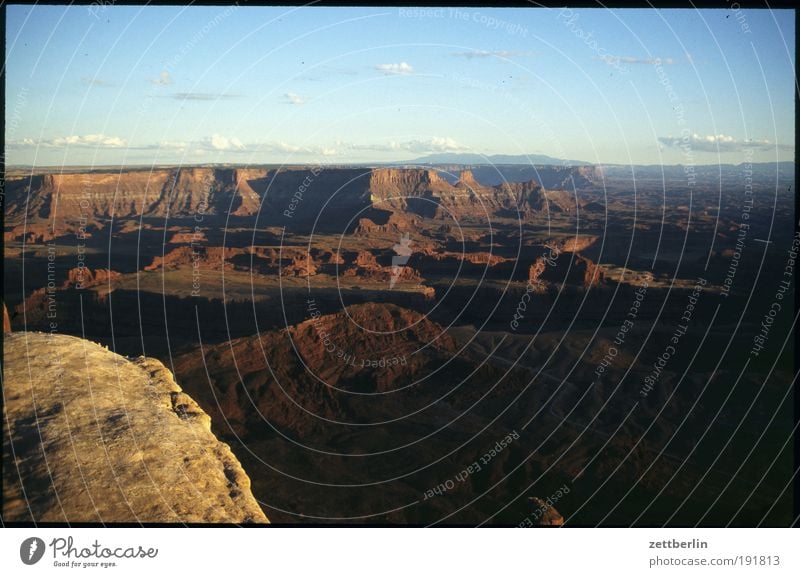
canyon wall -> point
(301, 194)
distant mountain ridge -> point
(555, 173)
(479, 159)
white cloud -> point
(433, 144)
(280, 147)
(294, 98)
(402, 68)
(438, 144)
(163, 79)
(93, 140)
(220, 143)
(85, 141)
(718, 143)
(217, 142)
(213, 143)
(22, 143)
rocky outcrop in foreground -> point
(90, 436)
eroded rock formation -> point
(565, 268)
(300, 266)
(368, 348)
(93, 437)
(546, 514)
(81, 277)
(397, 223)
(285, 197)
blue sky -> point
(141, 84)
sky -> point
(140, 85)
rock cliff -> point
(286, 196)
(6, 320)
(180, 192)
(90, 436)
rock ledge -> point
(90, 436)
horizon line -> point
(361, 165)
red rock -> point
(536, 269)
(81, 277)
(6, 320)
(300, 266)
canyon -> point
(411, 345)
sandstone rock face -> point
(569, 268)
(478, 257)
(536, 269)
(90, 436)
(366, 266)
(188, 237)
(404, 274)
(333, 257)
(547, 515)
(287, 197)
(31, 233)
(365, 259)
(467, 180)
(397, 223)
(592, 274)
(300, 266)
(210, 257)
(35, 304)
(576, 243)
(386, 183)
(86, 277)
(532, 198)
(130, 193)
(6, 320)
